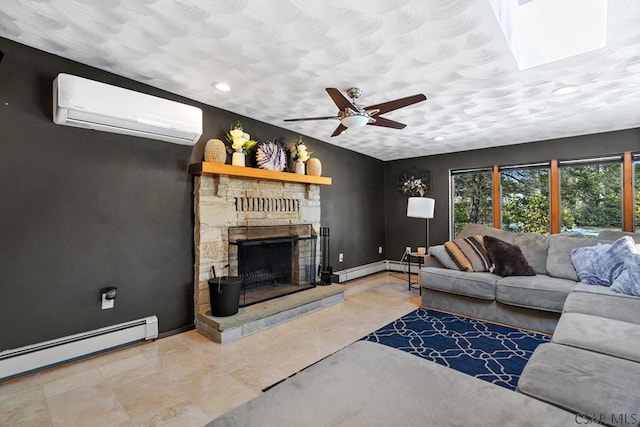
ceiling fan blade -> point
(381, 121)
(385, 107)
(311, 118)
(339, 99)
(341, 128)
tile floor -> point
(187, 380)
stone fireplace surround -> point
(222, 201)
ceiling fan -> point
(353, 115)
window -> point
(472, 198)
(591, 195)
(525, 198)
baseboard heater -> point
(23, 360)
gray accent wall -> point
(402, 231)
(82, 210)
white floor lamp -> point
(421, 207)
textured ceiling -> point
(279, 55)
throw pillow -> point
(584, 261)
(628, 282)
(611, 263)
(507, 259)
(468, 253)
(441, 254)
(603, 263)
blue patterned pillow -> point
(628, 282)
(603, 263)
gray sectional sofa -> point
(591, 366)
(533, 302)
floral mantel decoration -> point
(299, 151)
(415, 183)
(239, 140)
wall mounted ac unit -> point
(89, 104)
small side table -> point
(420, 258)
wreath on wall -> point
(415, 183)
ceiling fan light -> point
(354, 121)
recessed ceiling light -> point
(439, 138)
(565, 90)
(222, 87)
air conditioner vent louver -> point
(84, 103)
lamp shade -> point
(420, 207)
(354, 121)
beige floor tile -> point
(19, 385)
(181, 415)
(27, 408)
(149, 395)
(67, 370)
(187, 380)
(259, 376)
(130, 376)
(216, 392)
(156, 350)
(125, 365)
(94, 406)
(72, 382)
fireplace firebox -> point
(272, 261)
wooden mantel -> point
(206, 168)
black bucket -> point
(224, 294)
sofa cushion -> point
(478, 285)
(468, 253)
(600, 290)
(484, 230)
(584, 382)
(538, 292)
(535, 248)
(559, 257)
(507, 259)
(367, 384)
(441, 254)
(607, 336)
(617, 307)
(628, 282)
(615, 235)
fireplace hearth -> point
(272, 261)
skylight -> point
(544, 31)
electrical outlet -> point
(407, 249)
(107, 303)
(379, 249)
(340, 257)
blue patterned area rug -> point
(487, 351)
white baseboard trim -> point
(374, 267)
(360, 271)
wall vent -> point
(261, 204)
